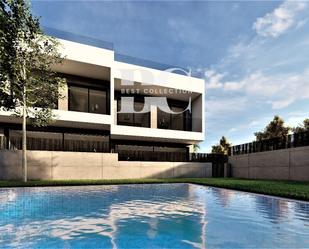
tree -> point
(302, 127)
(28, 85)
(196, 147)
(275, 129)
(222, 147)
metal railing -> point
(217, 160)
(162, 156)
(291, 141)
(54, 144)
(3, 143)
(207, 157)
(87, 145)
(131, 155)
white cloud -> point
(213, 79)
(296, 118)
(183, 30)
(256, 62)
(250, 124)
(301, 23)
(279, 90)
(234, 85)
(280, 20)
(219, 106)
(281, 103)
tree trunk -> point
(24, 136)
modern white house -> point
(91, 118)
(97, 79)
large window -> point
(181, 121)
(133, 119)
(97, 101)
(85, 99)
(78, 99)
(177, 120)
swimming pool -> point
(149, 216)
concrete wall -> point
(63, 103)
(154, 117)
(52, 165)
(197, 114)
(288, 164)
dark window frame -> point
(171, 103)
(89, 87)
(186, 126)
(137, 99)
(179, 104)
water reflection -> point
(275, 209)
(144, 216)
(302, 211)
(7, 196)
(72, 213)
(224, 196)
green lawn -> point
(295, 190)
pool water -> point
(149, 216)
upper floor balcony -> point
(91, 102)
(179, 118)
(156, 118)
(86, 102)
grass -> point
(288, 189)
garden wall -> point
(286, 164)
(52, 165)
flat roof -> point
(110, 46)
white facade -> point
(98, 63)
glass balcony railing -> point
(78, 38)
(118, 57)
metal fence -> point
(3, 143)
(217, 160)
(291, 141)
(54, 144)
(131, 155)
(207, 157)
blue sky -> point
(253, 55)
